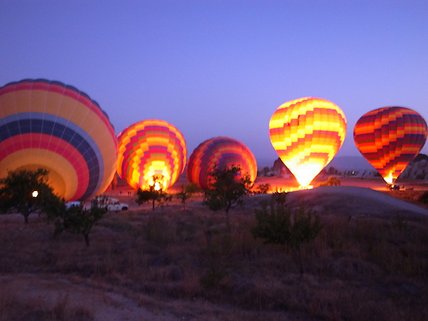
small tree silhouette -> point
(76, 220)
(26, 192)
(263, 188)
(186, 192)
(227, 189)
(153, 193)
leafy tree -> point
(146, 195)
(278, 224)
(186, 192)
(227, 189)
(77, 220)
(154, 193)
(26, 192)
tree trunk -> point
(228, 219)
(153, 204)
(298, 255)
(86, 236)
(25, 214)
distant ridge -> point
(350, 163)
(340, 163)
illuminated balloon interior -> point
(152, 153)
(307, 133)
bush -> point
(263, 188)
(77, 220)
(424, 198)
(279, 224)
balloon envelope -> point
(148, 149)
(219, 152)
(307, 133)
(389, 138)
(47, 124)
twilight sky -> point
(216, 68)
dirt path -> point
(51, 290)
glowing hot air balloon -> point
(307, 133)
(389, 138)
(46, 124)
(220, 152)
(151, 153)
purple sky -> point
(222, 67)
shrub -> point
(77, 220)
(279, 224)
(424, 198)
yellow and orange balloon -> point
(307, 133)
(151, 149)
(389, 138)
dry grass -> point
(14, 308)
(360, 269)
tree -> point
(278, 224)
(153, 193)
(26, 192)
(77, 220)
(186, 193)
(227, 189)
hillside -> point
(368, 263)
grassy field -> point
(185, 265)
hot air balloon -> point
(307, 133)
(219, 152)
(151, 152)
(47, 124)
(389, 138)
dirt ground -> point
(368, 263)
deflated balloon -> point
(307, 133)
(149, 151)
(219, 152)
(389, 138)
(47, 124)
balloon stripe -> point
(307, 133)
(220, 152)
(61, 147)
(148, 148)
(389, 138)
(58, 87)
(28, 126)
(49, 110)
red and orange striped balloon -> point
(219, 152)
(148, 149)
(389, 138)
(307, 133)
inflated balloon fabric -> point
(151, 150)
(389, 138)
(219, 152)
(47, 124)
(307, 133)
